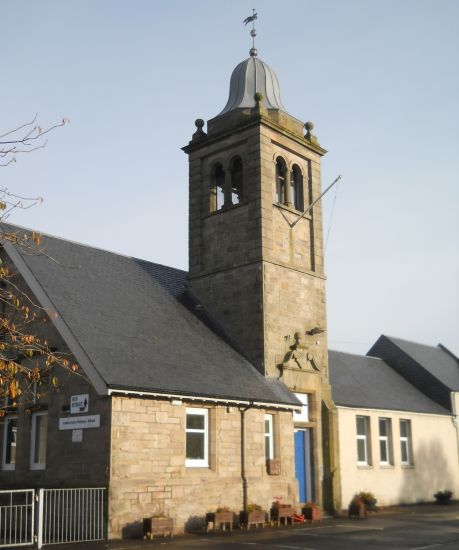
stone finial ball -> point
(253, 52)
(258, 96)
(199, 123)
(309, 126)
(253, 33)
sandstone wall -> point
(149, 476)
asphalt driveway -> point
(422, 527)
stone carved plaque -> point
(303, 355)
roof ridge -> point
(71, 241)
(355, 354)
(396, 338)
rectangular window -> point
(406, 443)
(10, 437)
(38, 440)
(363, 441)
(302, 416)
(197, 437)
(385, 441)
(269, 436)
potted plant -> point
(220, 518)
(158, 524)
(357, 507)
(254, 515)
(369, 500)
(443, 497)
(281, 511)
(312, 512)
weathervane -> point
(253, 32)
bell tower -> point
(256, 250)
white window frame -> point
(33, 435)
(198, 462)
(269, 436)
(406, 440)
(5, 465)
(366, 439)
(302, 416)
(386, 440)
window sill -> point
(202, 465)
(407, 466)
(35, 467)
(228, 209)
(365, 466)
(386, 466)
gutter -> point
(182, 397)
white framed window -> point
(302, 416)
(10, 437)
(39, 433)
(269, 436)
(197, 438)
(385, 441)
(406, 451)
(363, 441)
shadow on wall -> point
(195, 523)
(132, 530)
(430, 473)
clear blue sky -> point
(378, 78)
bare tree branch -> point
(25, 139)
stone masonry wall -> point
(148, 472)
(68, 463)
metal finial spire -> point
(253, 32)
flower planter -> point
(357, 510)
(443, 497)
(313, 513)
(282, 513)
(253, 518)
(220, 520)
(158, 526)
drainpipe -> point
(243, 476)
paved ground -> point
(422, 527)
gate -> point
(71, 515)
(16, 518)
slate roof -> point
(139, 326)
(438, 361)
(368, 382)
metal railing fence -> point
(71, 515)
(17, 517)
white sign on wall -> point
(79, 403)
(77, 436)
(302, 416)
(79, 422)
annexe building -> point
(394, 440)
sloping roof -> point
(368, 382)
(140, 328)
(438, 361)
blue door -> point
(303, 464)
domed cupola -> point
(249, 77)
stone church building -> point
(202, 389)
